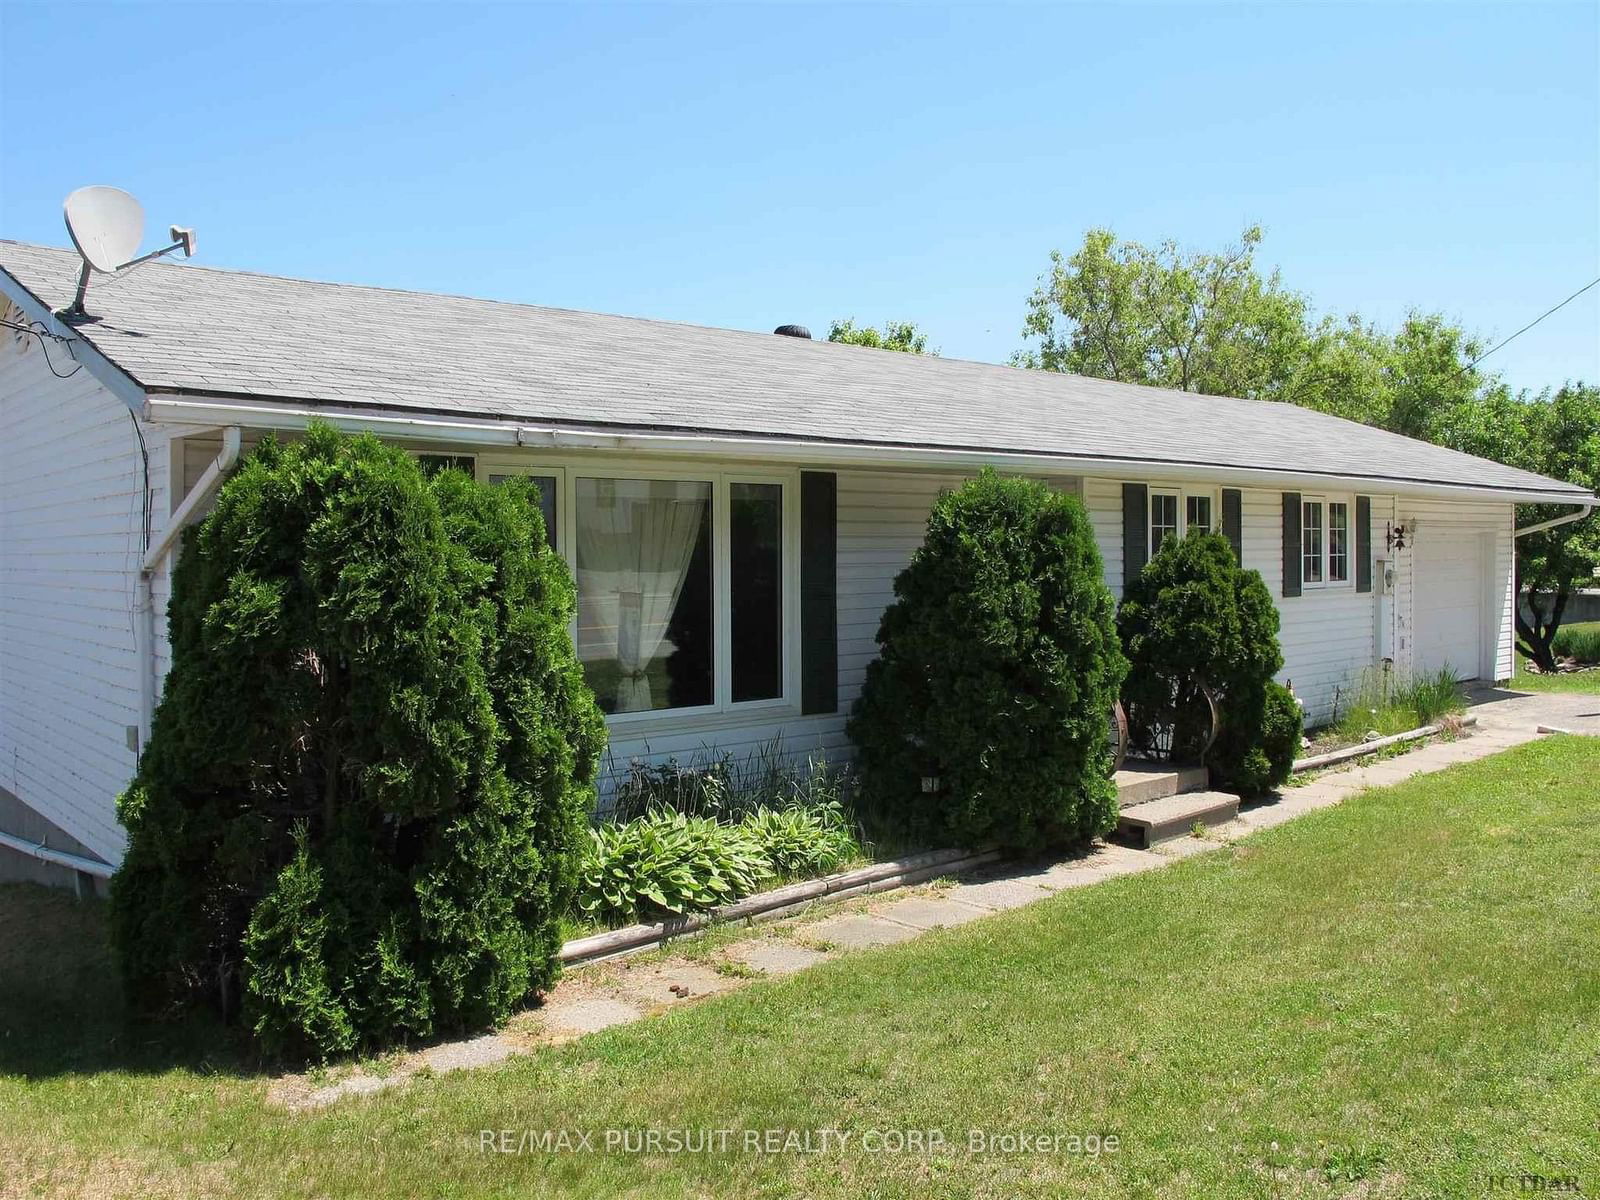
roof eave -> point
(189, 408)
(116, 380)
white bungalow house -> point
(735, 506)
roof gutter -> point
(491, 432)
(60, 858)
(1583, 511)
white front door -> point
(1448, 619)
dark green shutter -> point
(1233, 520)
(1135, 530)
(1363, 543)
(1291, 543)
(819, 592)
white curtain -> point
(636, 538)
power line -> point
(40, 333)
(1529, 325)
(44, 346)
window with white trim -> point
(755, 589)
(1325, 547)
(1338, 541)
(646, 634)
(1163, 518)
(1311, 546)
(685, 584)
(1174, 512)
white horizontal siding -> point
(1493, 524)
(882, 516)
(1331, 635)
(69, 557)
(1103, 498)
(882, 519)
(70, 547)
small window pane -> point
(1338, 543)
(644, 592)
(1163, 519)
(546, 484)
(1198, 513)
(1311, 542)
(755, 554)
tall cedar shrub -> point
(359, 815)
(1195, 613)
(998, 667)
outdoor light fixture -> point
(1398, 537)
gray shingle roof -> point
(184, 328)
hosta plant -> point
(666, 862)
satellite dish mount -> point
(106, 225)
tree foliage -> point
(1214, 323)
(1555, 434)
(1199, 322)
(985, 717)
(358, 815)
(1194, 614)
(895, 335)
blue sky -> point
(749, 165)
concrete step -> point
(1141, 782)
(1174, 816)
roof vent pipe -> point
(799, 331)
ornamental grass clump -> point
(984, 718)
(358, 817)
(1380, 702)
(802, 842)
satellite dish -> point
(106, 224)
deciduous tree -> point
(895, 335)
(1555, 434)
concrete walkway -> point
(620, 991)
(1501, 708)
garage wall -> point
(1493, 525)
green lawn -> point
(1396, 997)
(1584, 681)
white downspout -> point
(1583, 511)
(199, 496)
